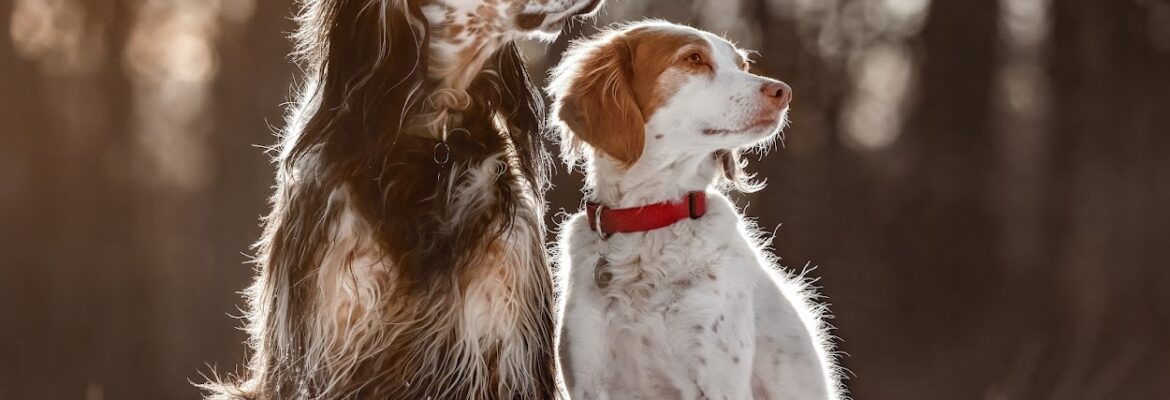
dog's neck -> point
(658, 176)
(455, 60)
(453, 66)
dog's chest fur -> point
(355, 276)
(667, 303)
(469, 334)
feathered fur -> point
(381, 272)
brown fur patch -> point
(349, 137)
(621, 83)
(600, 106)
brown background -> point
(984, 185)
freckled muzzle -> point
(589, 9)
(553, 21)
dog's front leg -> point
(583, 349)
(719, 347)
(787, 364)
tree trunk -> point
(1110, 191)
(940, 238)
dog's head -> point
(654, 88)
(447, 41)
(472, 20)
(377, 68)
(464, 32)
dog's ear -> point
(364, 61)
(596, 103)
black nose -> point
(593, 6)
(530, 21)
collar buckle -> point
(692, 205)
(597, 223)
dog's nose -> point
(777, 91)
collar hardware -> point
(692, 205)
(453, 123)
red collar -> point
(648, 217)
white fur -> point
(696, 310)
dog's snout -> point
(549, 20)
(773, 89)
(778, 92)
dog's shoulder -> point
(574, 238)
(575, 229)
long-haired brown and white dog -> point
(403, 257)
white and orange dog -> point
(668, 292)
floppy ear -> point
(365, 60)
(598, 104)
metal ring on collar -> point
(442, 153)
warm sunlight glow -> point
(842, 28)
(726, 18)
(1025, 22)
(172, 61)
(57, 34)
(1024, 28)
(882, 77)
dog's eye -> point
(695, 58)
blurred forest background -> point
(984, 185)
